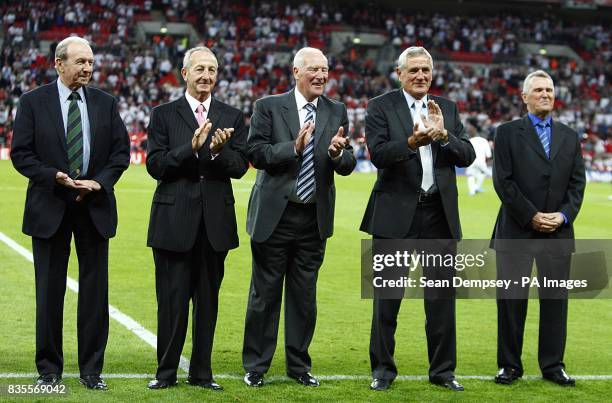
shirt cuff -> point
(564, 218)
(213, 156)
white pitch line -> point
(125, 320)
(279, 378)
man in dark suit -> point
(196, 144)
(296, 142)
(415, 140)
(72, 145)
(538, 174)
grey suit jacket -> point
(270, 148)
(393, 202)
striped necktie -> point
(542, 129)
(306, 178)
(74, 137)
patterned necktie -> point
(74, 137)
(424, 151)
(200, 114)
(306, 178)
(544, 138)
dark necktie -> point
(541, 128)
(306, 178)
(74, 137)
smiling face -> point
(311, 78)
(76, 69)
(416, 76)
(200, 75)
(540, 96)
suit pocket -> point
(161, 198)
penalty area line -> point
(123, 319)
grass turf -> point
(340, 345)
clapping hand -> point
(221, 137)
(338, 143)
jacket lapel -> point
(92, 114)
(214, 114)
(323, 113)
(531, 137)
(185, 111)
(557, 137)
(290, 114)
(55, 112)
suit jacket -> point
(527, 181)
(394, 198)
(190, 188)
(274, 128)
(39, 152)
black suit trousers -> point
(51, 265)
(293, 254)
(429, 223)
(179, 277)
(511, 313)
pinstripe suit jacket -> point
(193, 190)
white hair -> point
(531, 76)
(61, 51)
(298, 59)
(187, 57)
(413, 51)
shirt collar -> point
(535, 120)
(65, 92)
(301, 101)
(411, 100)
(194, 103)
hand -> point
(200, 135)
(435, 118)
(86, 186)
(555, 218)
(304, 137)
(219, 139)
(440, 136)
(420, 137)
(546, 222)
(338, 143)
(61, 178)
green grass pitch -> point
(340, 345)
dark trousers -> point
(51, 266)
(179, 277)
(293, 253)
(429, 223)
(511, 313)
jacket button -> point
(201, 178)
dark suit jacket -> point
(190, 188)
(393, 201)
(39, 152)
(274, 127)
(527, 181)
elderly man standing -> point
(196, 144)
(415, 140)
(72, 145)
(538, 174)
(297, 141)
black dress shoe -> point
(161, 384)
(507, 376)
(254, 379)
(49, 380)
(380, 384)
(560, 377)
(93, 382)
(211, 384)
(451, 384)
(305, 379)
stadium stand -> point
(484, 57)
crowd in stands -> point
(250, 38)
